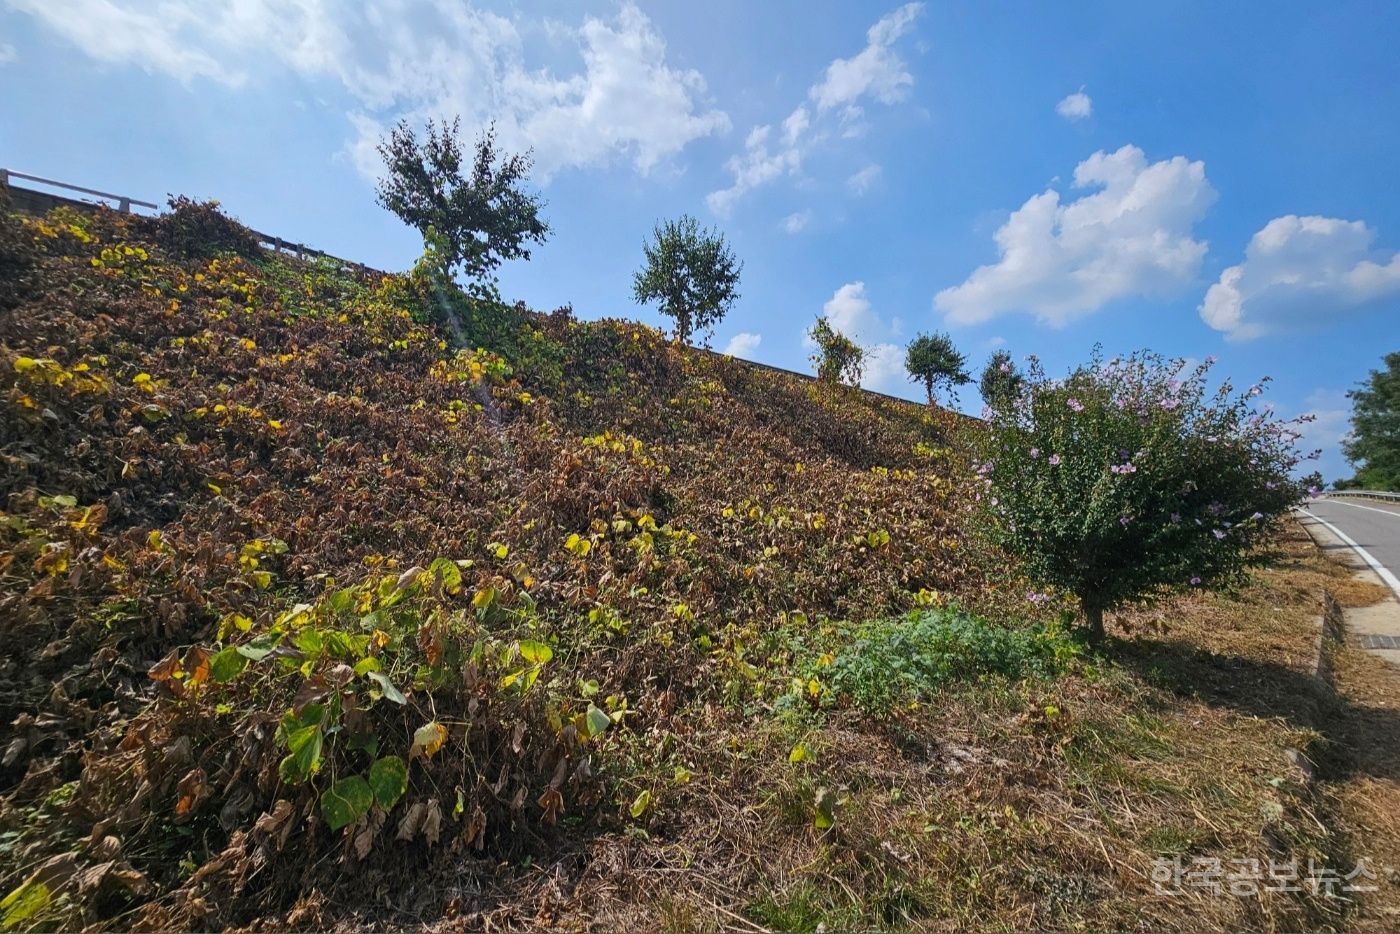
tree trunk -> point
(929, 387)
(1093, 622)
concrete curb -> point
(1331, 632)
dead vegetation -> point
(267, 540)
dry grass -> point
(1361, 781)
(1036, 805)
(1031, 806)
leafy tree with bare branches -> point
(480, 213)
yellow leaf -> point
(427, 740)
(799, 753)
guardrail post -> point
(124, 205)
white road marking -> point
(1390, 579)
(1384, 512)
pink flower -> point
(1075, 405)
(1054, 460)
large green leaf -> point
(308, 715)
(311, 642)
(257, 649)
(536, 653)
(449, 572)
(386, 687)
(343, 601)
(227, 664)
(597, 720)
(24, 903)
(346, 801)
(304, 758)
(388, 779)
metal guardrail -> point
(124, 202)
(1366, 494)
(302, 251)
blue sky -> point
(1197, 178)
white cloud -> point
(876, 72)
(419, 59)
(155, 40)
(797, 222)
(757, 165)
(1076, 106)
(743, 345)
(1299, 271)
(7, 53)
(1061, 261)
(884, 368)
(861, 181)
(850, 312)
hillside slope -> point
(192, 437)
(313, 620)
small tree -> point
(931, 359)
(480, 219)
(1001, 382)
(692, 274)
(837, 358)
(1127, 480)
(1374, 445)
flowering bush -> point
(1131, 478)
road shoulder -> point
(1360, 776)
(1373, 627)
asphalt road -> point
(1373, 525)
